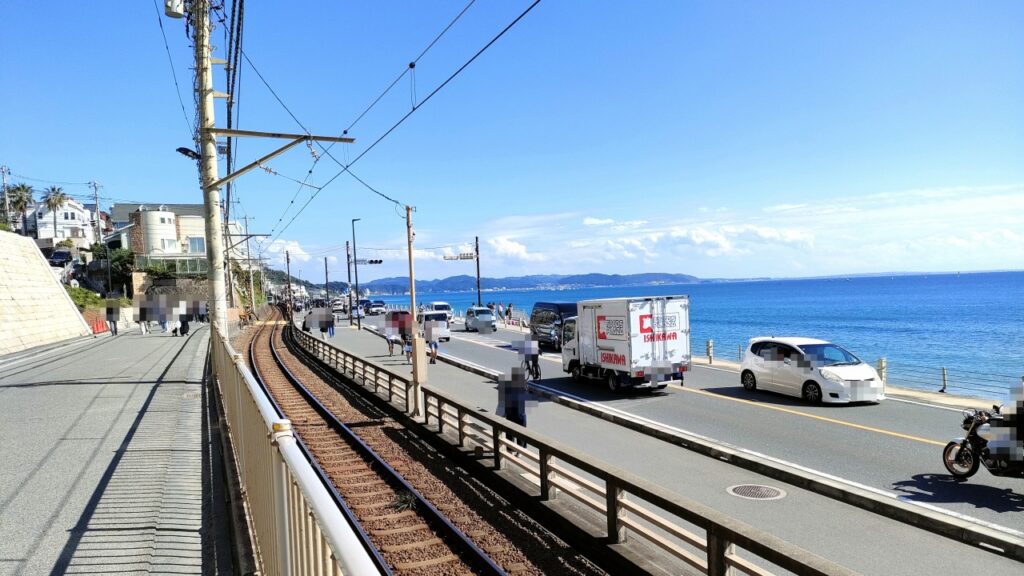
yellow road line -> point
(777, 408)
(816, 417)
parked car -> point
(546, 322)
(815, 370)
(60, 257)
(440, 307)
(480, 317)
(440, 320)
(377, 307)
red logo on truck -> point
(613, 358)
(662, 323)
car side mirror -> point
(787, 361)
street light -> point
(355, 263)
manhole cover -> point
(756, 492)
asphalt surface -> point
(102, 444)
(894, 446)
(862, 540)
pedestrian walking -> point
(143, 313)
(113, 307)
(330, 324)
(508, 313)
(321, 323)
(183, 325)
(501, 313)
(407, 348)
(433, 336)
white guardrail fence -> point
(690, 532)
(297, 526)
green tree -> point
(21, 198)
(54, 200)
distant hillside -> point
(465, 283)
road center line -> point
(816, 417)
(777, 408)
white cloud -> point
(508, 248)
(712, 242)
(332, 259)
(276, 252)
(588, 221)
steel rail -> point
(471, 553)
(350, 516)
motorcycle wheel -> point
(961, 464)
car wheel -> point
(748, 380)
(812, 393)
(613, 381)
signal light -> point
(374, 261)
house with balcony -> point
(169, 235)
(74, 222)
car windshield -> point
(828, 355)
(441, 317)
(442, 307)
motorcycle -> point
(963, 456)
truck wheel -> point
(613, 381)
(576, 372)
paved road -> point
(894, 446)
(103, 458)
(864, 541)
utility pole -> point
(96, 192)
(418, 358)
(327, 285)
(208, 150)
(288, 265)
(355, 264)
(348, 261)
(478, 301)
(4, 171)
(248, 260)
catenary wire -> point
(347, 167)
(177, 88)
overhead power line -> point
(177, 88)
(347, 167)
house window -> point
(73, 216)
(197, 245)
(169, 245)
(66, 216)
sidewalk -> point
(106, 460)
(816, 523)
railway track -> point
(394, 488)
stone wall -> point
(35, 309)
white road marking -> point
(878, 491)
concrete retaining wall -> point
(35, 309)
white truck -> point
(629, 342)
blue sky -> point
(721, 139)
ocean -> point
(970, 324)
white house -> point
(74, 222)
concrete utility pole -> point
(359, 319)
(327, 284)
(248, 259)
(419, 369)
(348, 260)
(478, 301)
(4, 171)
(208, 150)
(96, 192)
(288, 268)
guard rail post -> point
(944, 375)
(545, 475)
(281, 485)
(717, 545)
(739, 352)
(711, 351)
(883, 371)
(613, 511)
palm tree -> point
(20, 196)
(55, 198)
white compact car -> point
(441, 307)
(481, 319)
(436, 321)
(815, 370)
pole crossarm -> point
(242, 241)
(254, 133)
(251, 165)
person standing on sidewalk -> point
(330, 323)
(143, 315)
(113, 307)
(508, 313)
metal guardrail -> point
(625, 503)
(297, 526)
